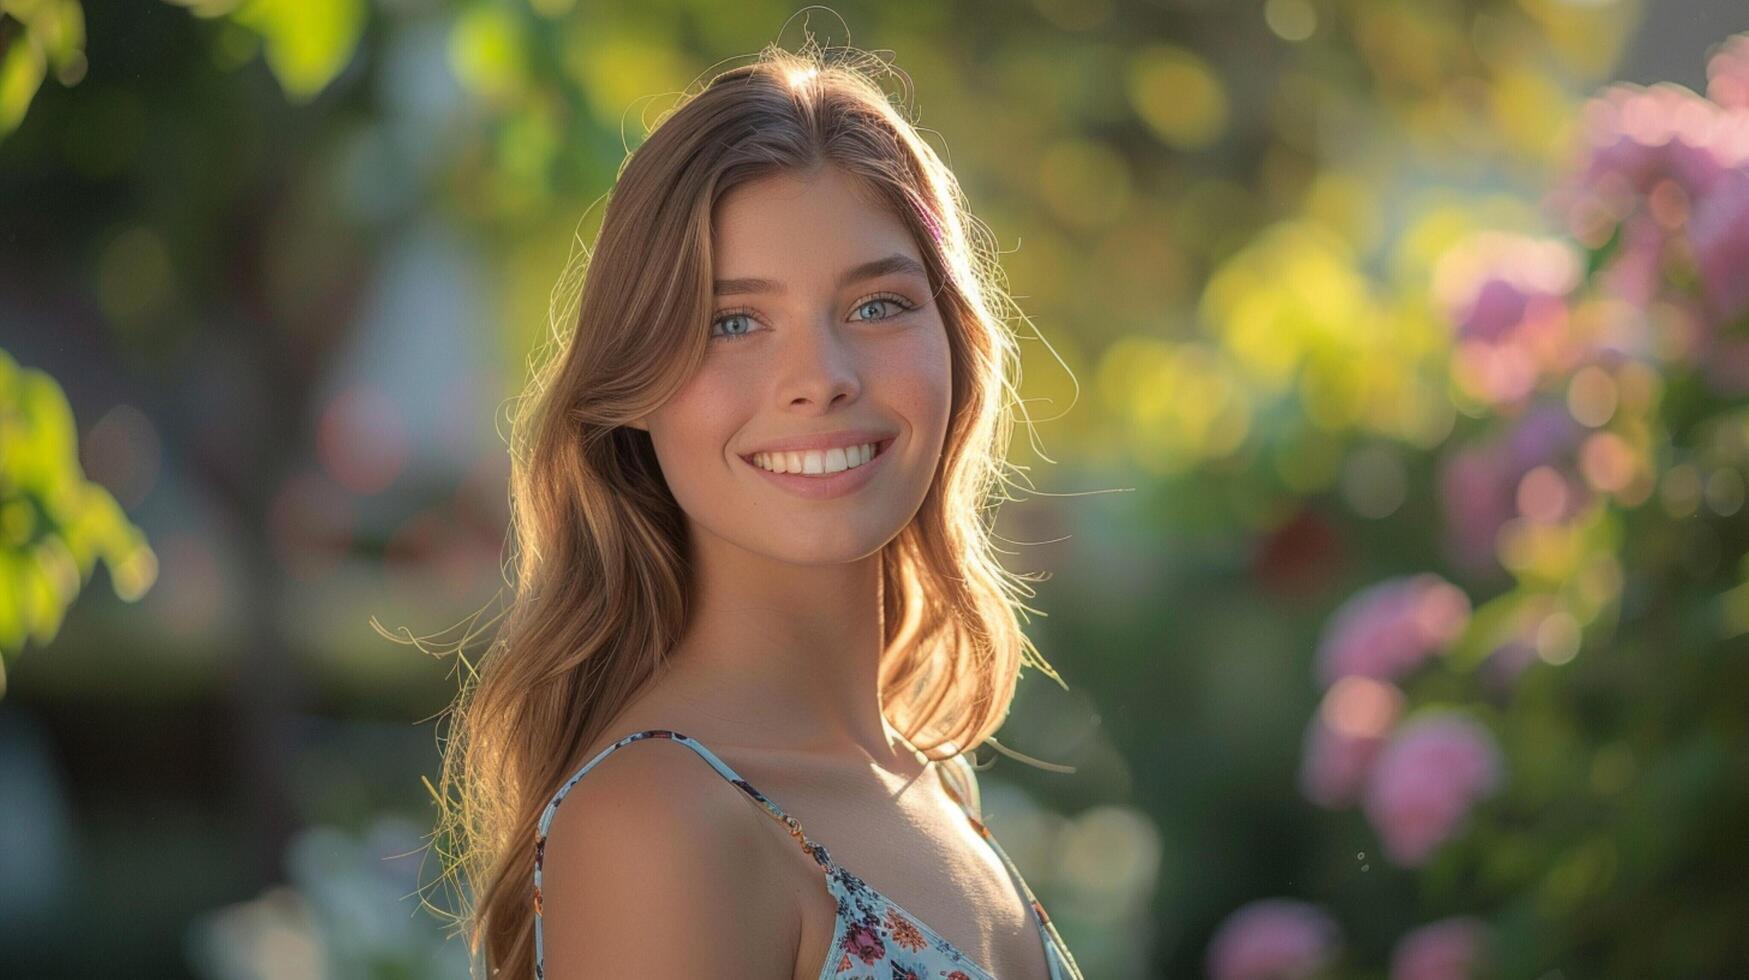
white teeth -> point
(815, 462)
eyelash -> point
(899, 301)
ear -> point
(639, 424)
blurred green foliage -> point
(37, 36)
(54, 524)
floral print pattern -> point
(874, 939)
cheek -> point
(922, 381)
(696, 424)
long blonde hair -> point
(600, 587)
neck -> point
(786, 657)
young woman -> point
(750, 495)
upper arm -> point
(652, 871)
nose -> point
(820, 368)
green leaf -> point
(1597, 258)
(54, 523)
(22, 66)
(307, 42)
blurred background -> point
(1390, 431)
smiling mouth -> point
(815, 464)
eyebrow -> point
(895, 263)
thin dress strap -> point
(965, 793)
(817, 852)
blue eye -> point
(877, 300)
(727, 316)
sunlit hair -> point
(601, 582)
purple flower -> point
(1719, 234)
(1387, 629)
(1479, 483)
(1544, 435)
(1472, 492)
(1273, 939)
(1506, 298)
(1636, 274)
(1427, 778)
(1449, 949)
(1344, 737)
(1491, 281)
(1727, 73)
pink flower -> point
(1426, 779)
(1449, 949)
(1273, 939)
(1479, 483)
(1652, 156)
(1473, 493)
(1505, 296)
(1387, 629)
(1636, 274)
(1638, 135)
(1502, 668)
(864, 943)
(1727, 73)
(1719, 234)
(1488, 283)
(1344, 737)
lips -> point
(826, 486)
(841, 439)
(798, 462)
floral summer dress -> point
(874, 938)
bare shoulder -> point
(964, 777)
(656, 866)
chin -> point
(795, 546)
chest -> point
(913, 848)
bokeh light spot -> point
(1557, 638)
(1542, 495)
(1607, 461)
(1361, 707)
(1374, 482)
(1591, 396)
(1291, 20)
(122, 452)
(1724, 491)
(134, 275)
(361, 440)
(1178, 95)
(1680, 491)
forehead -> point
(802, 229)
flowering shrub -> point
(1388, 629)
(1273, 939)
(1450, 949)
(1544, 737)
(1430, 773)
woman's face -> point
(811, 356)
